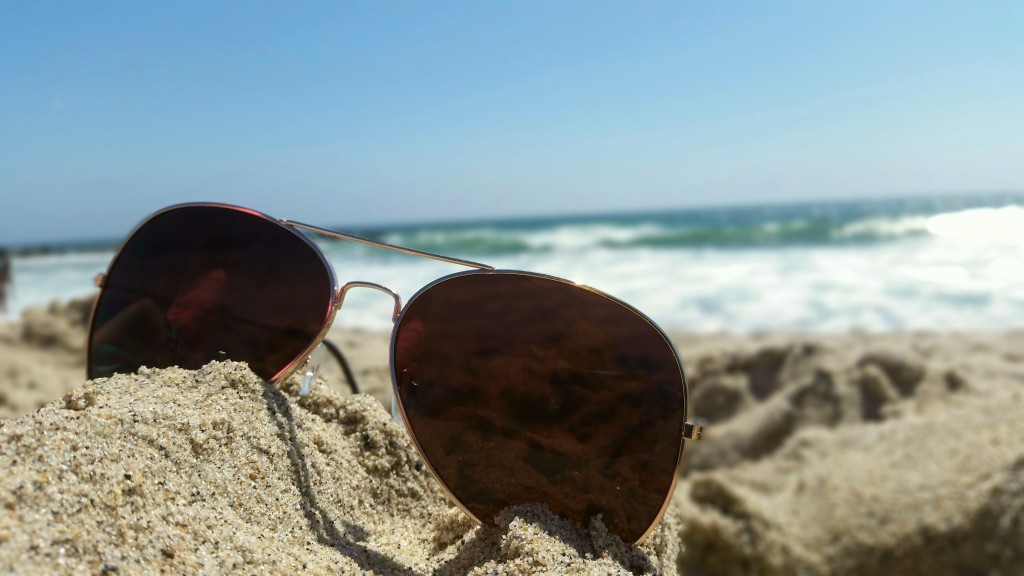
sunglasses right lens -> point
(520, 388)
(200, 283)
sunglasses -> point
(515, 387)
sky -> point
(383, 112)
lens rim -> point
(297, 362)
(412, 433)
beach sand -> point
(826, 454)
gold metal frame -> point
(689, 430)
(401, 249)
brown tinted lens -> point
(522, 389)
(201, 283)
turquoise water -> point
(941, 263)
(822, 224)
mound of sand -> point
(216, 471)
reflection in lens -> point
(521, 389)
(202, 283)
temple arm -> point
(402, 249)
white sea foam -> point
(557, 238)
(38, 280)
(957, 270)
(1003, 225)
(575, 237)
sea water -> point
(935, 263)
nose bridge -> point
(350, 285)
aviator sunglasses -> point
(515, 387)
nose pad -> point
(312, 369)
(394, 295)
(396, 414)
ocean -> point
(876, 265)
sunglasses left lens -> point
(195, 284)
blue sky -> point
(378, 112)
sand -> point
(42, 356)
(842, 454)
(859, 454)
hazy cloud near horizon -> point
(358, 113)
